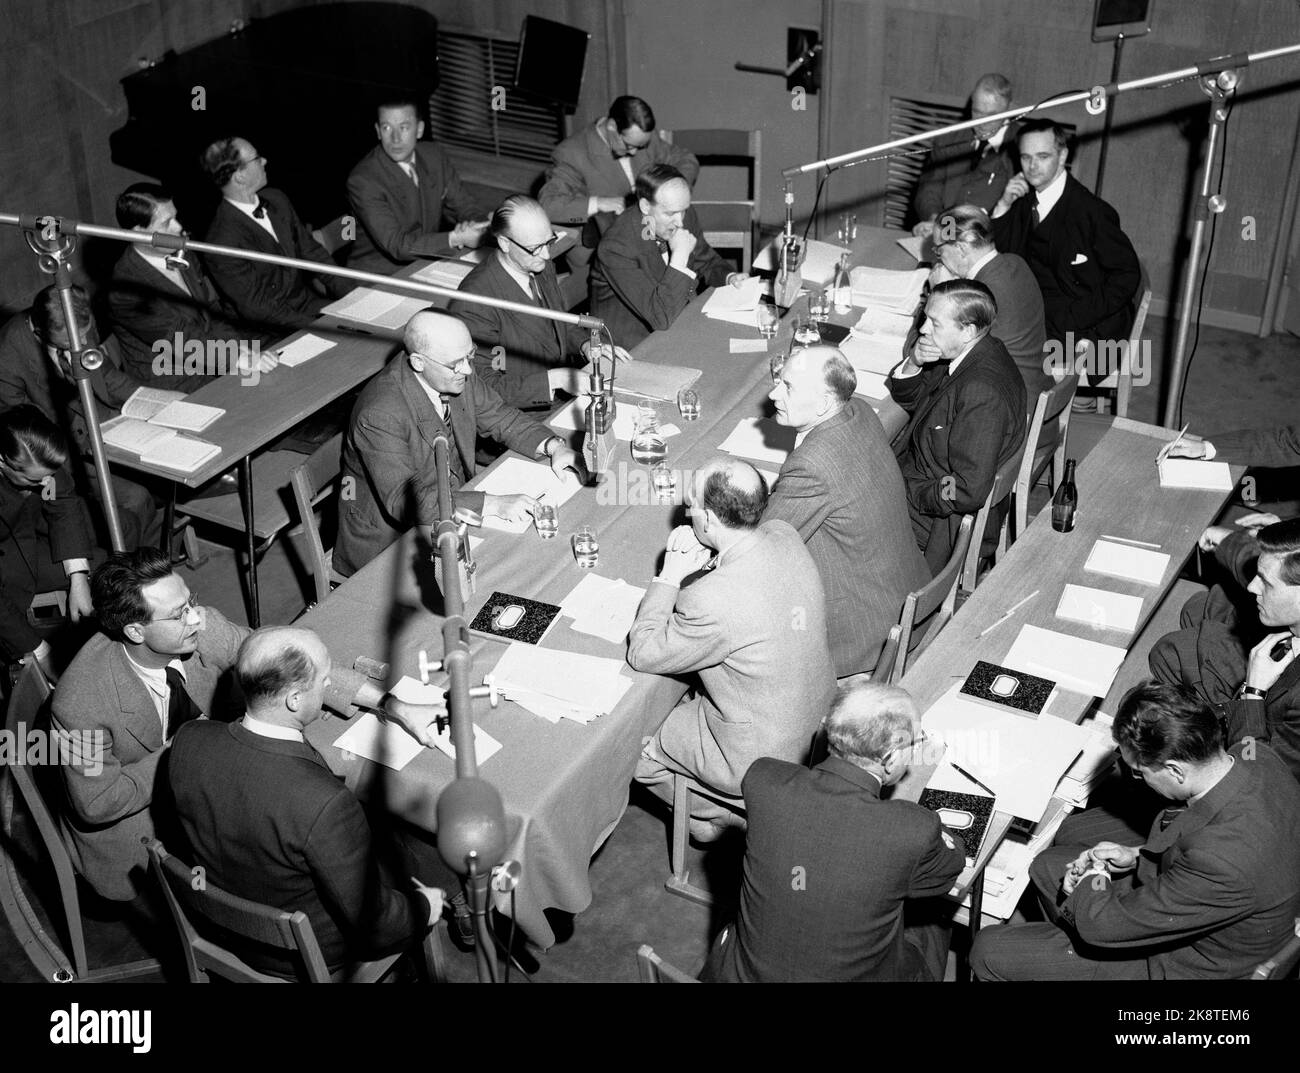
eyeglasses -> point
(532, 251)
(192, 604)
(461, 363)
(255, 158)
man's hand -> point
(1187, 449)
(436, 898)
(737, 279)
(1213, 537)
(468, 233)
(1257, 521)
(511, 508)
(684, 555)
(924, 229)
(1262, 670)
(1117, 859)
(680, 247)
(1016, 187)
(925, 352)
(79, 602)
(567, 459)
(616, 205)
(418, 720)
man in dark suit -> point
(267, 820)
(966, 407)
(388, 456)
(653, 260)
(403, 192)
(521, 357)
(830, 866)
(1213, 891)
(739, 602)
(969, 167)
(841, 490)
(252, 216)
(592, 172)
(1278, 446)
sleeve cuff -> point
(591, 205)
(684, 271)
(665, 581)
(76, 566)
(1210, 452)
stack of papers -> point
(652, 380)
(603, 607)
(915, 245)
(882, 288)
(1127, 562)
(760, 439)
(1100, 607)
(1006, 876)
(574, 416)
(158, 446)
(444, 273)
(1082, 666)
(1093, 764)
(555, 684)
(380, 309)
(302, 349)
(1194, 473)
(820, 262)
(517, 476)
(169, 409)
(736, 304)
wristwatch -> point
(1248, 692)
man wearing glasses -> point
(390, 478)
(522, 357)
(252, 216)
(159, 661)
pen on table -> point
(966, 774)
(1164, 451)
(1130, 540)
(1011, 611)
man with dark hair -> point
(160, 660)
(593, 171)
(841, 490)
(521, 357)
(965, 402)
(404, 191)
(858, 860)
(1213, 891)
(651, 262)
(252, 216)
(738, 602)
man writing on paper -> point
(1212, 891)
(841, 490)
(966, 406)
(859, 859)
(522, 358)
(738, 602)
(1277, 446)
(388, 456)
(653, 261)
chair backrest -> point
(654, 970)
(1124, 386)
(1049, 429)
(1282, 965)
(313, 482)
(1004, 483)
(722, 148)
(932, 606)
(886, 672)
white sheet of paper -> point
(186, 416)
(1074, 663)
(913, 244)
(1143, 565)
(1100, 607)
(1195, 473)
(871, 386)
(876, 354)
(748, 346)
(518, 476)
(577, 680)
(414, 692)
(769, 477)
(574, 416)
(378, 308)
(302, 349)
(884, 322)
(760, 439)
(653, 380)
(603, 607)
(444, 273)
(383, 743)
(728, 299)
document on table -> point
(574, 416)
(760, 439)
(554, 684)
(1195, 473)
(884, 322)
(1124, 561)
(883, 288)
(377, 308)
(652, 379)
(1100, 607)
(603, 607)
(748, 346)
(397, 744)
(302, 349)
(518, 476)
(875, 354)
(729, 299)
(915, 245)
(819, 265)
(444, 273)
(1072, 662)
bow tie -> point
(260, 211)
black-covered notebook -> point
(515, 618)
(1021, 692)
(965, 815)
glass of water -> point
(767, 319)
(665, 480)
(819, 306)
(688, 403)
(586, 549)
(848, 229)
(546, 519)
(648, 440)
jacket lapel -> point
(426, 417)
(139, 715)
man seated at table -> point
(160, 660)
(965, 402)
(403, 192)
(653, 260)
(739, 603)
(842, 491)
(267, 820)
(1212, 891)
(830, 866)
(521, 357)
(1277, 446)
(593, 171)
(253, 216)
(388, 456)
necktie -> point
(409, 168)
(454, 464)
(1279, 651)
(535, 287)
(260, 211)
(1034, 218)
(1170, 814)
(180, 706)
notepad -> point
(379, 309)
(728, 299)
(302, 349)
(652, 380)
(1132, 564)
(518, 476)
(1083, 666)
(169, 409)
(760, 439)
(182, 453)
(874, 354)
(882, 288)
(1195, 473)
(1100, 607)
(444, 273)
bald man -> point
(388, 455)
(843, 492)
(739, 603)
(267, 819)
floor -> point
(1235, 381)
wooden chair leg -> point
(679, 882)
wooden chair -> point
(934, 604)
(313, 482)
(655, 970)
(679, 881)
(1121, 381)
(730, 224)
(1049, 426)
(28, 714)
(1004, 482)
(886, 671)
(276, 928)
(1281, 966)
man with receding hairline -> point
(739, 603)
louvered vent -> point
(909, 116)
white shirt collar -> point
(270, 730)
(157, 260)
(516, 273)
(995, 142)
(264, 222)
(154, 680)
(952, 365)
(438, 401)
(1049, 195)
(975, 268)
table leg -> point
(169, 520)
(976, 917)
(246, 498)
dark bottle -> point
(1065, 501)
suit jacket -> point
(101, 701)
(531, 346)
(1278, 446)
(269, 821)
(263, 293)
(33, 530)
(759, 649)
(1019, 323)
(843, 493)
(961, 428)
(1216, 892)
(388, 456)
(633, 289)
(955, 174)
(861, 859)
(1091, 298)
(583, 166)
(398, 221)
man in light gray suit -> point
(750, 620)
(843, 492)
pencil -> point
(1130, 540)
(1011, 611)
(1164, 451)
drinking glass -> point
(688, 403)
(647, 441)
(546, 519)
(665, 481)
(586, 549)
(819, 306)
(767, 319)
(848, 228)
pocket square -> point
(1079, 259)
